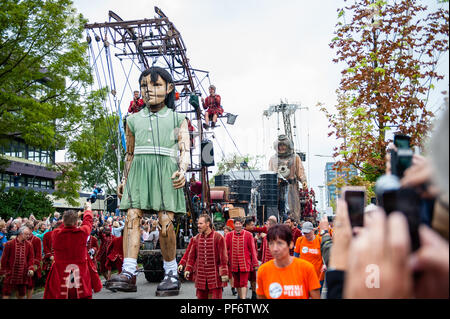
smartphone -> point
(355, 196)
(402, 141)
(401, 159)
(407, 202)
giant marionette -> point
(290, 171)
(156, 161)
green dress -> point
(149, 184)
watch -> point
(323, 232)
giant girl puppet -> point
(156, 161)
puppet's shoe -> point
(125, 281)
(205, 126)
(169, 286)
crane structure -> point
(287, 110)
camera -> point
(404, 200)
(402, 158)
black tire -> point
(153, 266)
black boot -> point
(205, 126)
(169, 287)
(254, 295)
(124, 281)
(233, 291)
(213, 124)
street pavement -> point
(146, 290)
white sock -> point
(170, 265)
(130, 265)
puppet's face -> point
(282, 148)
(154, 93)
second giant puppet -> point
(290, 171)
(156, 161)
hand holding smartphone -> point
(355, 197)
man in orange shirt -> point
(308, 247)
(285, 277)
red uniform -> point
(135, 107)
(242, 256)
(102, 253)
(296, 233)
(17, 260)
(114, 254)
(212, 105)
(92, 243)
(48, 251)
(259, 230)
(37, 250)
(266, 255)
(185, 257)
(70, 275)
(208, 255)
(252, 276)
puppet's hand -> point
(120, 190)
(178, 179)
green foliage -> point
(19, 202)
(94, 151)
(233, 162)
(45, 80)
(390, 51)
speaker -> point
(207, 153)
(221, 180)
(264, 212)
(240, 182)
(111, 203)
(269, 177)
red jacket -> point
(296, 233)
(115, 254)
(185, 257)
(213, 104)
(17, 260)
(266, 255)
(48, 251)
(241, 251)
(93, 244)
(70, 268)
(135, 107)
(208, 255)
(37, 250)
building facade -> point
(330, 175)
(27, 168)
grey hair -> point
(22, 229)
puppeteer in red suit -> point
(242, 256)
(208, 256)
(69, 276)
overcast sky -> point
(257, 52)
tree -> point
(94, 152)
(390, 51)
(237, 162)
(19, 202)
(45, 78)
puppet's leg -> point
(170, 285)
(126, 280)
